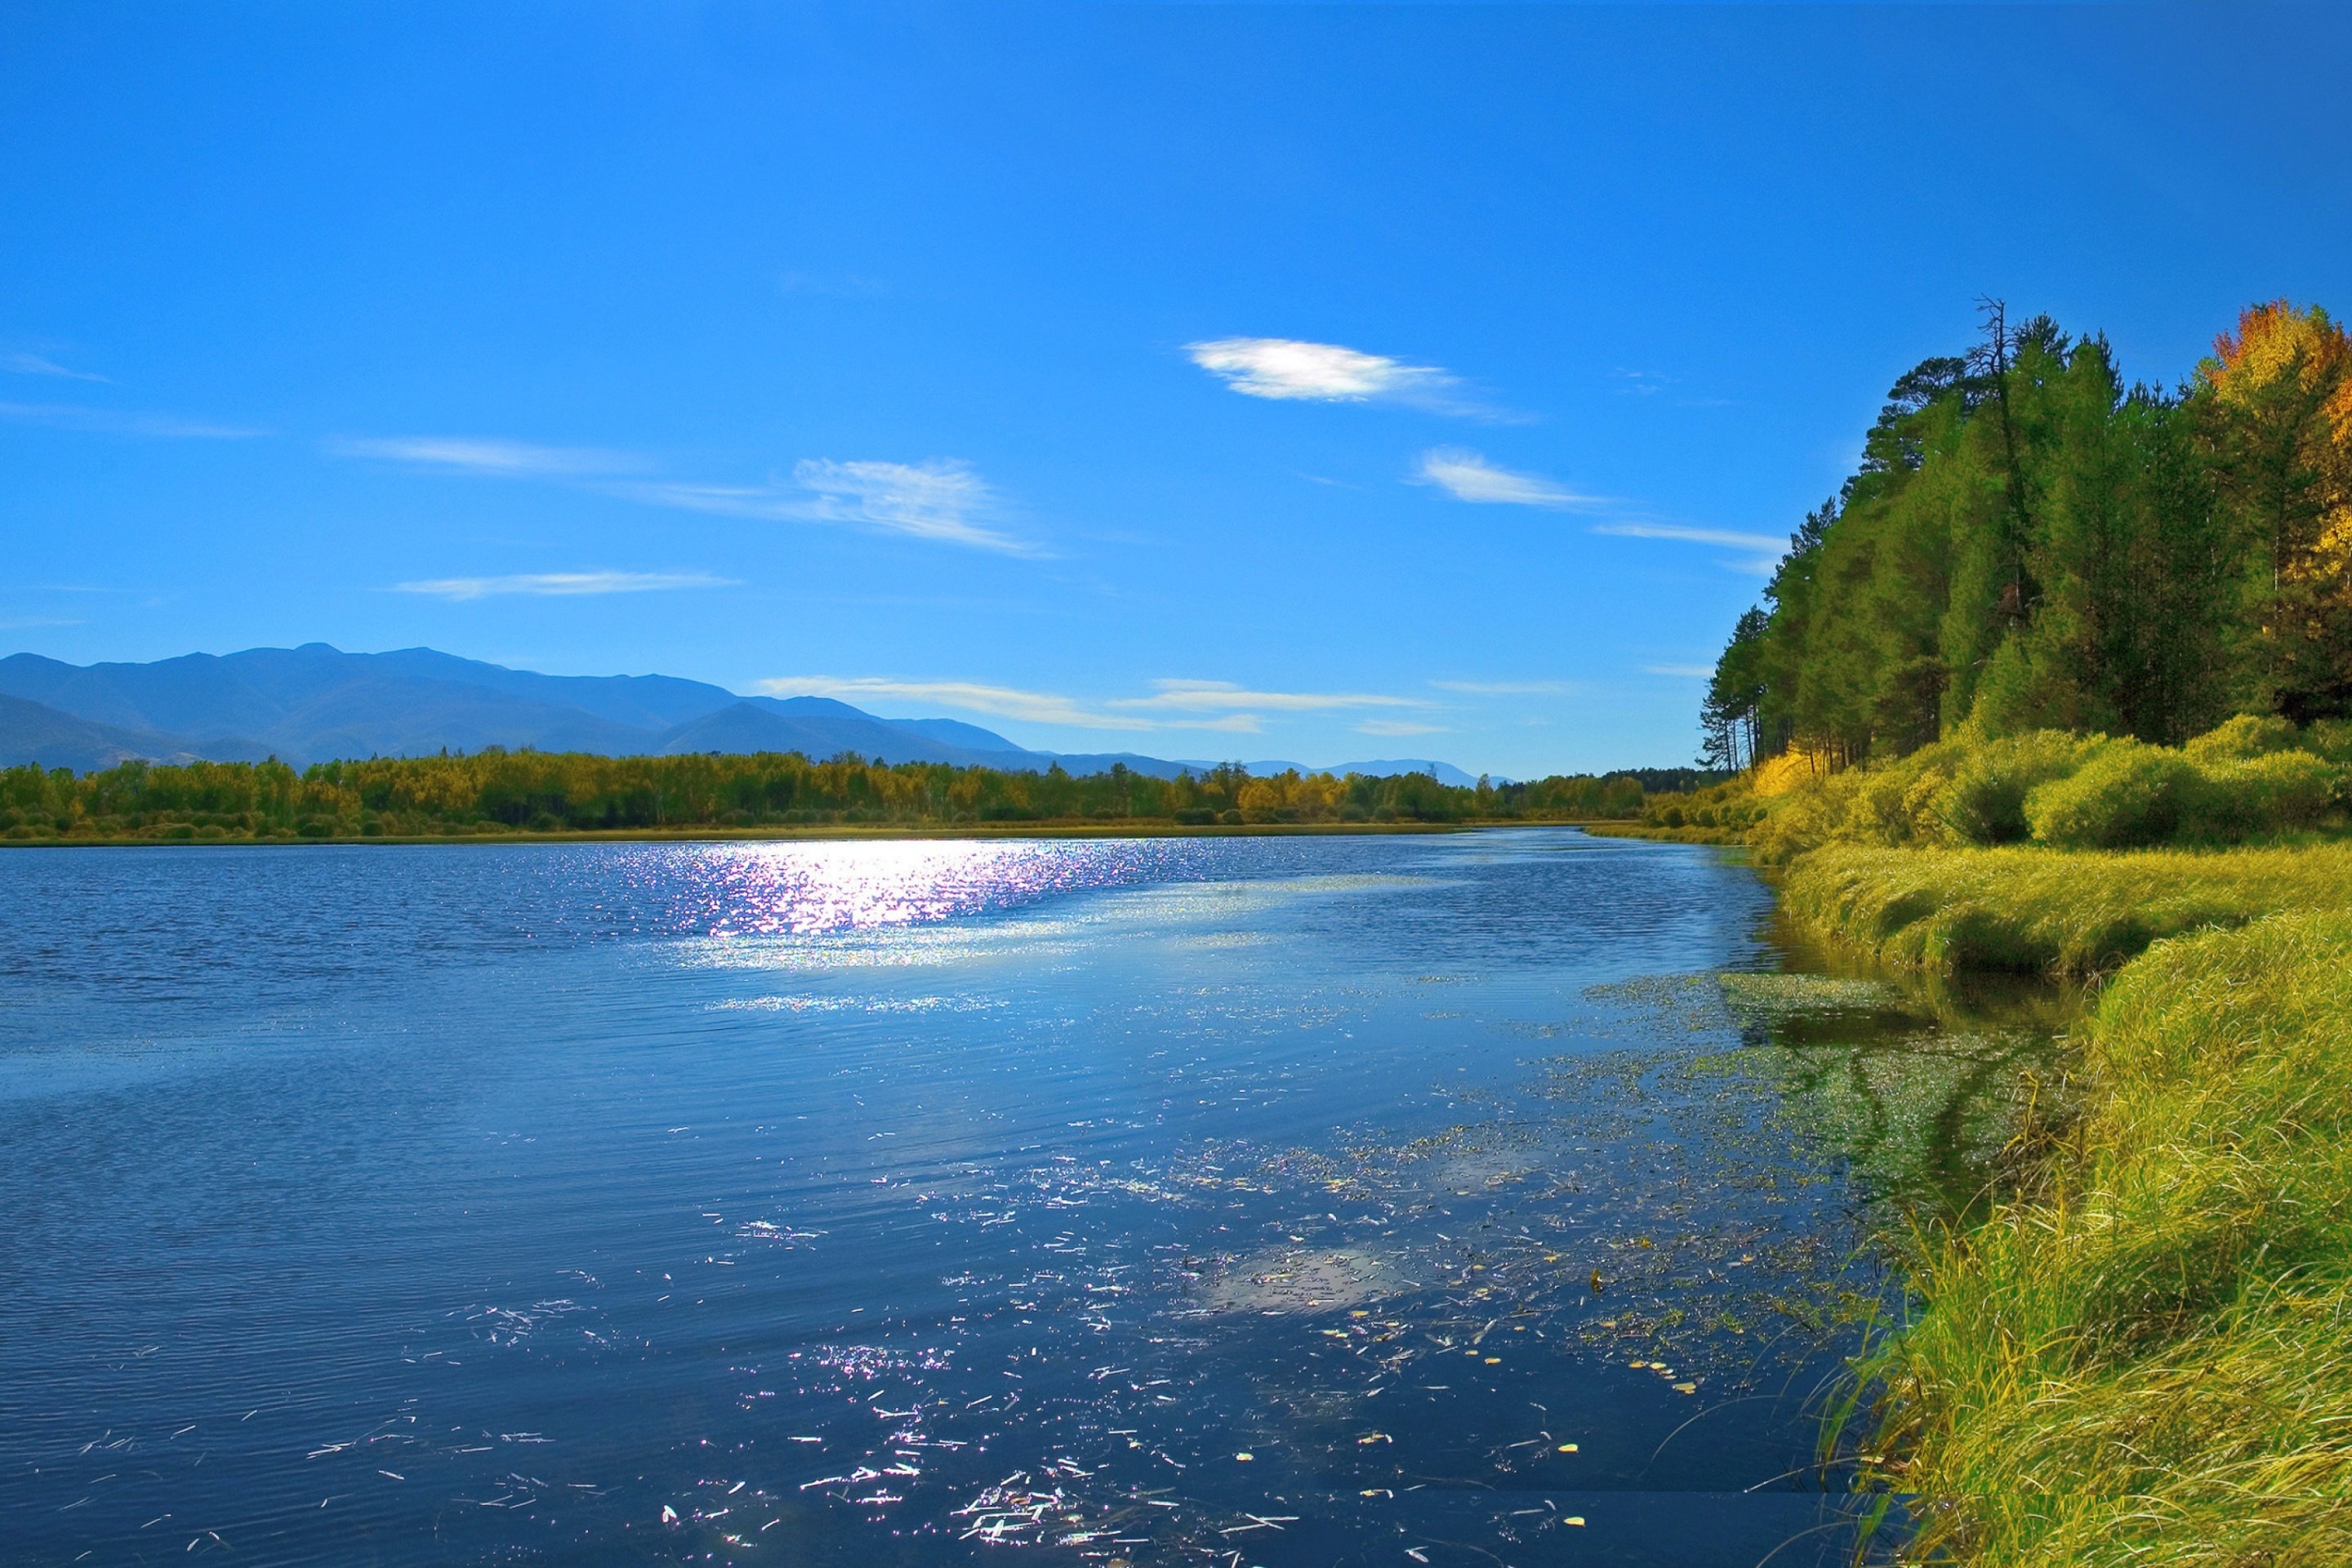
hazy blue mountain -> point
(952, 731)
(751, 726)
(314, 704)
(36, 732)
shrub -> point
(2272, 793)
(1889, 801)
(2127, 794)
(2331, 739)
(1804, 818)
(2244, 737)
(1985, 801)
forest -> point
(2061, 681)
(2029, 543)
(497, 792)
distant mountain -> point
(314, 704)
(36, 732)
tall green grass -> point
(2026, 908)
(2149, 1360)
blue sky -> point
(1317, 382)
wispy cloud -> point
(34, 365)
(1504, 688)
(29, 622)
(1760, 552)
(980, 697)
(940, 500)
(488, 455)
(107, 422)
(1469, 475)
(1173, 704)
(1221, 696)
(1727, 538)
(562, 585)
(1398, 726)
(1681, 671)
(935, 499)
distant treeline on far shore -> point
(500, 792)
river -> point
(1241, 1200)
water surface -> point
(1250, 1201)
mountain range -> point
(315, 703)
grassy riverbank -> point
(2052, 911)
(2149, 1359)
(2145, 1354)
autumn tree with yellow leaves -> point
(2276, 406)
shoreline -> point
(824, 832)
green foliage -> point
(2278, 791)
(498, 792)
(2151, 1360)
(1985, 801)
(2246, 736)
(2030, 544)
(2126, 794)
(2030, 909)
(2253, 779)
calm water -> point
(1237, 1201)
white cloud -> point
(34, 365)
(939, 500)
(1173, 705)
(1504, 688)
(1004, 702)
(1217, 696)
(488, 455)
(1321, 372)
(1685, 671)
(1725, 537)
(105, 422)
(1762, 551)
(1468, 476)
(561, 585)
(972, 696)
(1398, 726)
(935, 499)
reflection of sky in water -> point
(845, 1198)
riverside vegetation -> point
(500, 792)
(2063, 682)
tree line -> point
(2029, 543)
(500, 792)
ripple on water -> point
(1314, 1198)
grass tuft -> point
(2032, 909)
